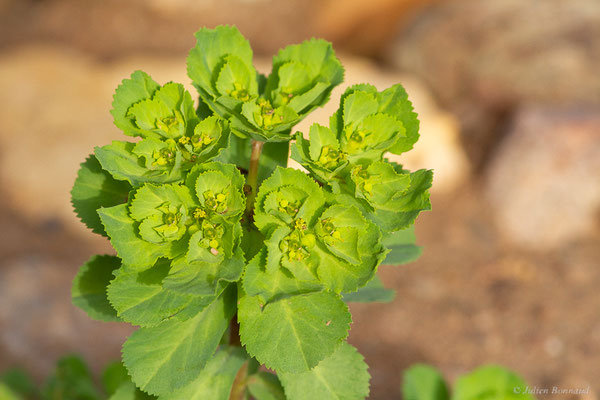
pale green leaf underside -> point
(88, 291)
(373, 291)
(169, 356)
(402, 247)
(294, 333)
(410, 204)
(95, 188)
(341, 376)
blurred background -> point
(508, 92)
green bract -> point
(227, 259)
(263, 108)
(318, 242)
(349, 155)
(174, 137)
(195, 220)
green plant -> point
(490, 382)
(71, 380)
(226, 258)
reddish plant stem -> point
(238, 390)
(234, 332)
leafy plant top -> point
(226, 258)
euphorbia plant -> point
(229, 260)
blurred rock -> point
(483, 58)
(364, 27)
(110, 29)
(55, 108)
(543, 182)
(439, 146)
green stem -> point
(253, 175)
(238, 391)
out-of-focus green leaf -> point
(113, 376)
(18, 382)
(71, 381)
(491, 382)
(6, 393)
(422, 382)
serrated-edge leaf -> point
(282, 334)
(357, 106)
(138, 87)
(216, 379)
(212, 45)
(342, 376)
(140, 299)
(318, 57)
(169, 356)
(394, 101)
